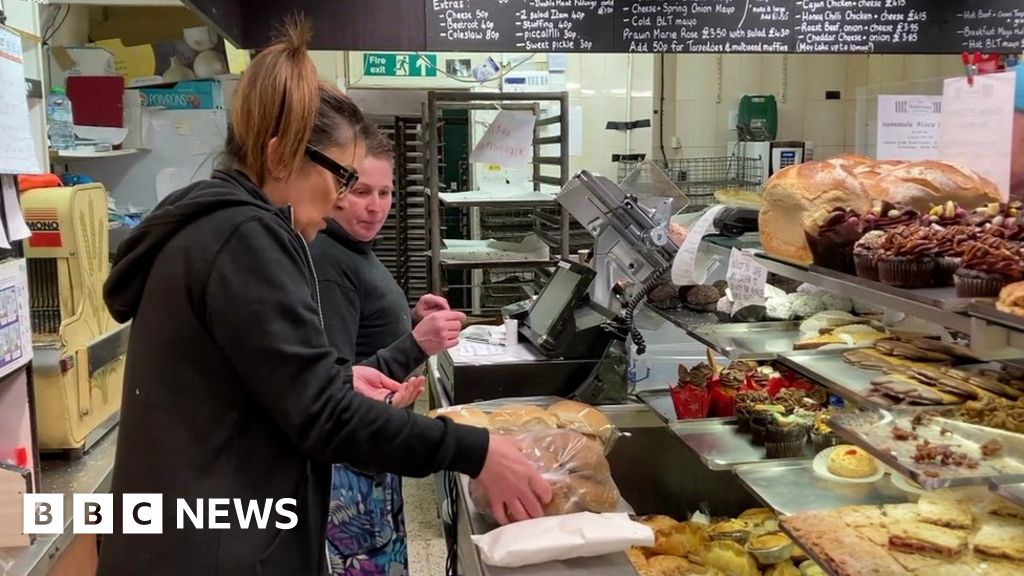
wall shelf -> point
(68, 155)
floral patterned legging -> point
(366, 524)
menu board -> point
(722, 26)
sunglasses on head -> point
(343, 175)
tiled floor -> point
(427, 549)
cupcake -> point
(832, 243)
(994, 214)
(864, 254)
(885, 215)
(763, 415)
(785, 437)
(987, 267)
(950, 245)
(745, 403)
(905, 259)
(945, 215)
(822, 435)
(789, 398)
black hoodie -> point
(232, 391)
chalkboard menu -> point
(758, 26)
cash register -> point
(585, 306)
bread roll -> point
(795, 195)
(1011, 299)
(583, 418)
(467, 415)
(520, 416)
(921, 185)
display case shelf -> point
(721, 446)
(496, 199)
(1010, 488)
(792, 487)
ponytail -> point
(278, 97)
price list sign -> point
(704, 26)
(521, 25)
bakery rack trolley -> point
(550, 171)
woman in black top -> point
(367, 319)
(231, 389)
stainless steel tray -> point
(811, 553)
(660, 402)
(871, 431)
(749, 341)
(986, 310)
(827, 368)
(792, 487)
(1010, 488)
(721, 446)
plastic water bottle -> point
(59, 120)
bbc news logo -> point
(144, 514)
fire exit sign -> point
(399, 65)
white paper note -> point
(690, 267)
(908, 127)
(16, 226)
(977, 125)
(17, 148)
(746, 279)
(576, 131)
(508, 141)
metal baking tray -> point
(809, 550)
(721, 446)
(749, 341)
(943, 298)
(1010, 488)
(827, 368)
(792, 487)
(871, 431)
(660, 402)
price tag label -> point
(746, 279)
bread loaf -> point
(792, 198)
(921, 185)
(518, 416)
(582, 418)
(467, 415)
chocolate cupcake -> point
(948, 214)
(885, 215)
(950, 245)
(822, 435)
(785, 437)
(987, 266)
(905, 259)
(763, 415)
(864, 252)
(832, 243)
(745, 403)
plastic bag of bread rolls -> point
(585, 419)
(573, 464)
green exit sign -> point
(399, 65)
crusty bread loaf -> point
(792, 198)
(519, 416)
(850, 160)
(582, 418)
(921, 185)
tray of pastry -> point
(1010, 488)
(933, 450)
(721, 446)
(748, 341)
(954, 532)
(792, 487)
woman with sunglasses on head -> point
(232, 390)
(367, 319)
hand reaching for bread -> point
(514, 488)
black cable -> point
(661, 112)
(631, 306)
(51, 34)
(451, 482)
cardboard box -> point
(192, 95)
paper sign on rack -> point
(908, 127)
(17, 229)
(17, 149)
(977, 125)
(690, 267)
(746, 279)
(508, 140)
